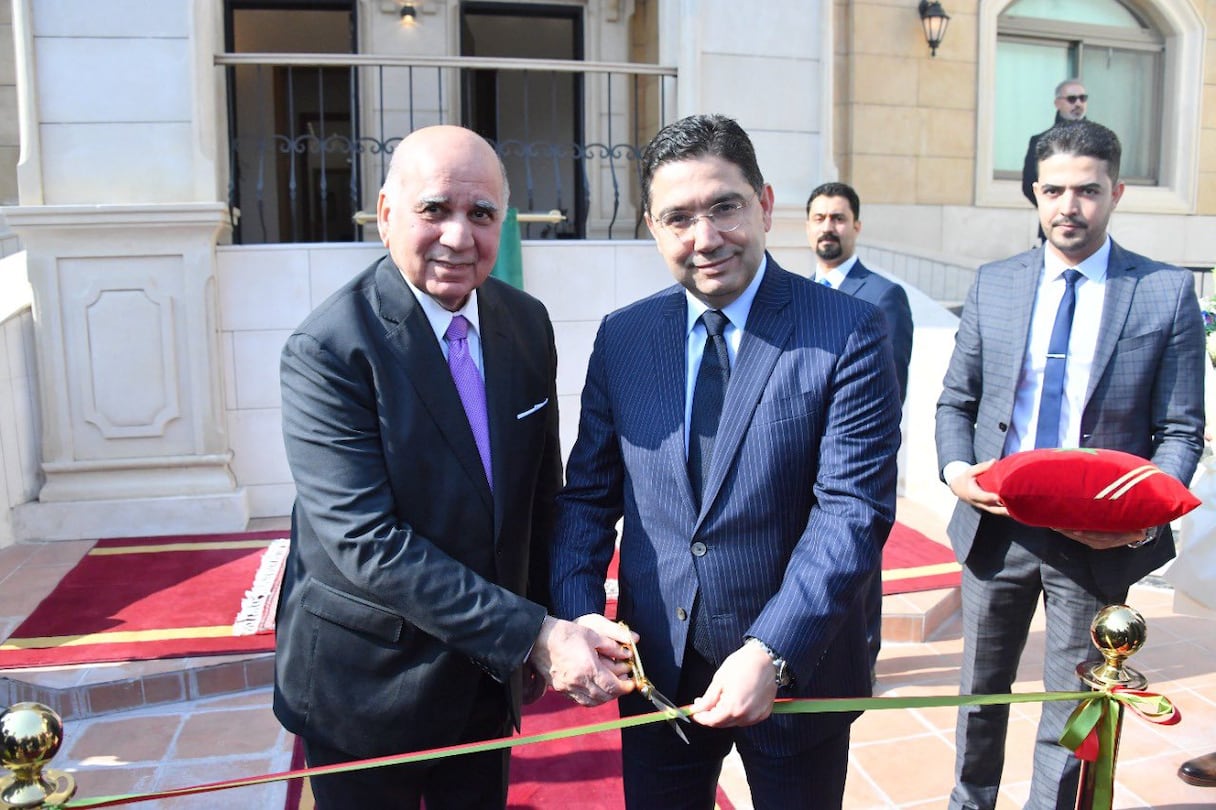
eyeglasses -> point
(1075, 99)
(724, 216)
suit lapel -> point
(766, 333)
(409, 335)
(1120, 285)
(669, 361)
(500, 353)
(1020, 305)
(855, 280)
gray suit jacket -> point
(407, 576)
(1145, 391)
(863, 283)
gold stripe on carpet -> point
(921, 571)
(222, 545)
(119, 637)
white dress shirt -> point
(440, 318)
(836, 275)
(1082, 341)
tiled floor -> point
(223, 727)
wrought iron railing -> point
(310, 136)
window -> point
(1142, 63)
(1104, 44)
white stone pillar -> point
(120, 214)
(129, 375)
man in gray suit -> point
(1132, 380)
(833, 222)
(420, 422)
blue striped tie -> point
(1052, 397)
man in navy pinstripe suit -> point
(1133, 381)
(747, 587)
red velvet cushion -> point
(1086, 489)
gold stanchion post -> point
(30, 735)
(1118, 631)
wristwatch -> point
(1150, 534)
(783, 675)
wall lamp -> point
(409, 15)
(934, 19)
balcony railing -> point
(311, 135)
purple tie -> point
(470, 386)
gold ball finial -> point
(30, 734)
(1118, 631)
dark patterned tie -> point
(1047, 434)
(471, 387)
(707, 398)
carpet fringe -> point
(259, 599)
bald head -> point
(447, 143)
(440, 211)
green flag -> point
(510, 264)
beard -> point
(828, 249)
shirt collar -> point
(1093, 268)
(736, 311)
(837, 274)
(439, 318)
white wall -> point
(266, 290)
(19, 428)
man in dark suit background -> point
(744, 423)
(833, 222)
(1132, 380)
(1071, 102)
(420, 421)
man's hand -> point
(1102, 541)
(741, 692)
(966, 489)
(585, 660)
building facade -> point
(184, 180)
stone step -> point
(83, 691)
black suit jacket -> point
(863, 283)
(407, 577)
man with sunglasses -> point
(1071, 104)
(743, 425)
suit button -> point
(682, 614)
(698, 549)
(1001, 426)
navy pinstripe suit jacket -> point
(798, 499)
(1145, 392)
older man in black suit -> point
(420, 420)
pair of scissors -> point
(648, 691)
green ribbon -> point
(783, 706)
(1092, 732)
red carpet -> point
(912, 562)
(582, 772)
(144, 598)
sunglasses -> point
(1075, 99)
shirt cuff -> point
(953, 470)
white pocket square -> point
(533, 409)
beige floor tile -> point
(908, 772)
